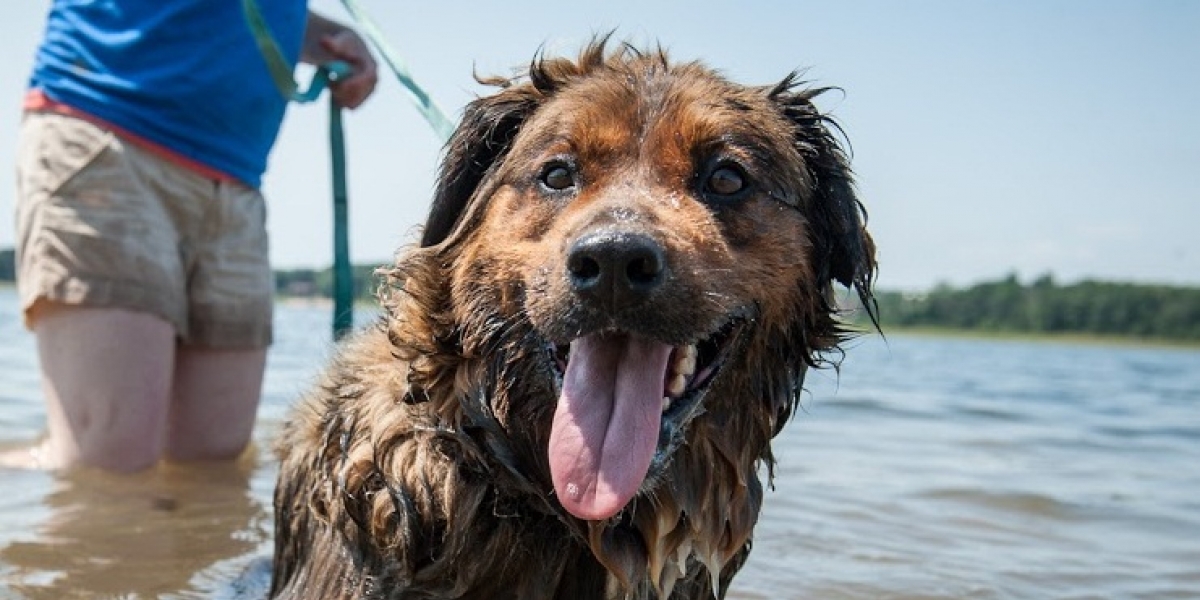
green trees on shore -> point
(315, 283)
(318, 283)
(1002, 306)
(1043, 306)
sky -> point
(988, 138)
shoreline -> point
(320, 301)
(1076, 338)
(859, 331)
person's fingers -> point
(352, 91)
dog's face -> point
(664, 240)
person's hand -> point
(345, 45)
(326, 41)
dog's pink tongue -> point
(606, 425)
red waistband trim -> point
(37, 101)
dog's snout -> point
(616, 269)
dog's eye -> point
(558, 178)
(725, 180)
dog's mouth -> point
(619, 392)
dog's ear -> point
(488, 128)
(843, 250)
(481, 140)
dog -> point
(627, 268)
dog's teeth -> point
(687, 364)
(685, 361)
(677, 386)
(666, 403)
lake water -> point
(930, 468)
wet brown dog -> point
(627, 269)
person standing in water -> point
(142, 260)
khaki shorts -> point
(103, 222)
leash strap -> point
(343, 272)
(437, 119)
(280, 68)
(281, 73)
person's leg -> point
(215, 399)
(102, 289)
(219, 365)
(106, 375)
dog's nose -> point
(616, 269)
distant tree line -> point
(318, 283)
(1043, 306)
(1003, 306)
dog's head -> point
(662, 242)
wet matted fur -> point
(628, 266)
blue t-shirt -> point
(185, 74)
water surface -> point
(930, 468)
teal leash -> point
(281, 73)
(437, 119)
(343, 272)
(280, 68)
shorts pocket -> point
(53, 149)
